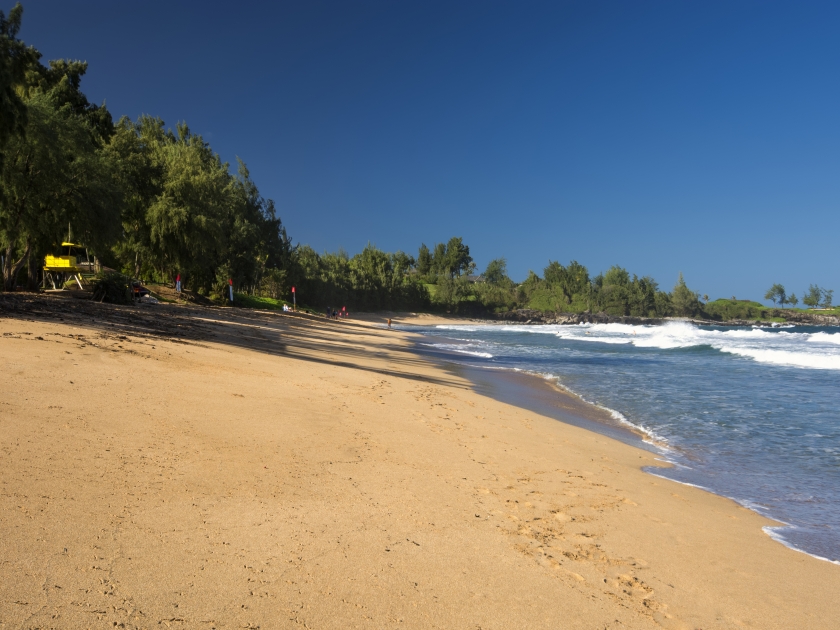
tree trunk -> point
(11, 271)
(32, 275)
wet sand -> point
(171, 466)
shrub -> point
(112, 287)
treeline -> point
(370, 280)
(153, 203)
(814, 297)
(568, 289)
(148, 201)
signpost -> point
(294, 299)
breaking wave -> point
(819, 350)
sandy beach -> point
(178, 467)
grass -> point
(724, 309)
(253, 301)
(831, 311)
(266, 303)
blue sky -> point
(700, 137)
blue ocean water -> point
(748, 413)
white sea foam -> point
(648, 435)
(824, 337)
(460, 349)
(776, 534)
(782, 346)
(804, 350)
(819, 350)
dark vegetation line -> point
(151, 202)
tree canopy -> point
(776, 293)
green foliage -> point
(569, 281)
(448, 259)
(370, 280)
(54, 175)
(828, 295)
(185, 213)
(615, 292)
(424, 260)
(684, 301)
(793, 300)
(496, 272)
(776, 293)
(15, 59)
(452, 292)
(812, 296)
(495, 297)
(724, 309)
(54, 169)
(261, 302)
(274, 284)
(112, 287)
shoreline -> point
(217, 467)
(540, 394)
(589, 416)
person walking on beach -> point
(178, 283)
(389, 322)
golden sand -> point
(243, 470)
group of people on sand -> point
(336, 314)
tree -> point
(55, 174)
(458, 259)
(776, 293)
(705, 297)
(496, 272)
(15, 59)
(424, 260)
(187, 220)
(684, 301)
(257, 240)
(439, 260)
(451, 291)
(642, 297)
(812, 296)
(828, 294)
(613, 291)
(571, 281)
(793, 300)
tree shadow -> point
(298, 336)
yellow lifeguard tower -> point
(72, 264)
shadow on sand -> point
(296, 335)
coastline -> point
(496, 357)
(528, 317)
(541, 395)
(214, 467)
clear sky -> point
(700, 137)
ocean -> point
(747, 413)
